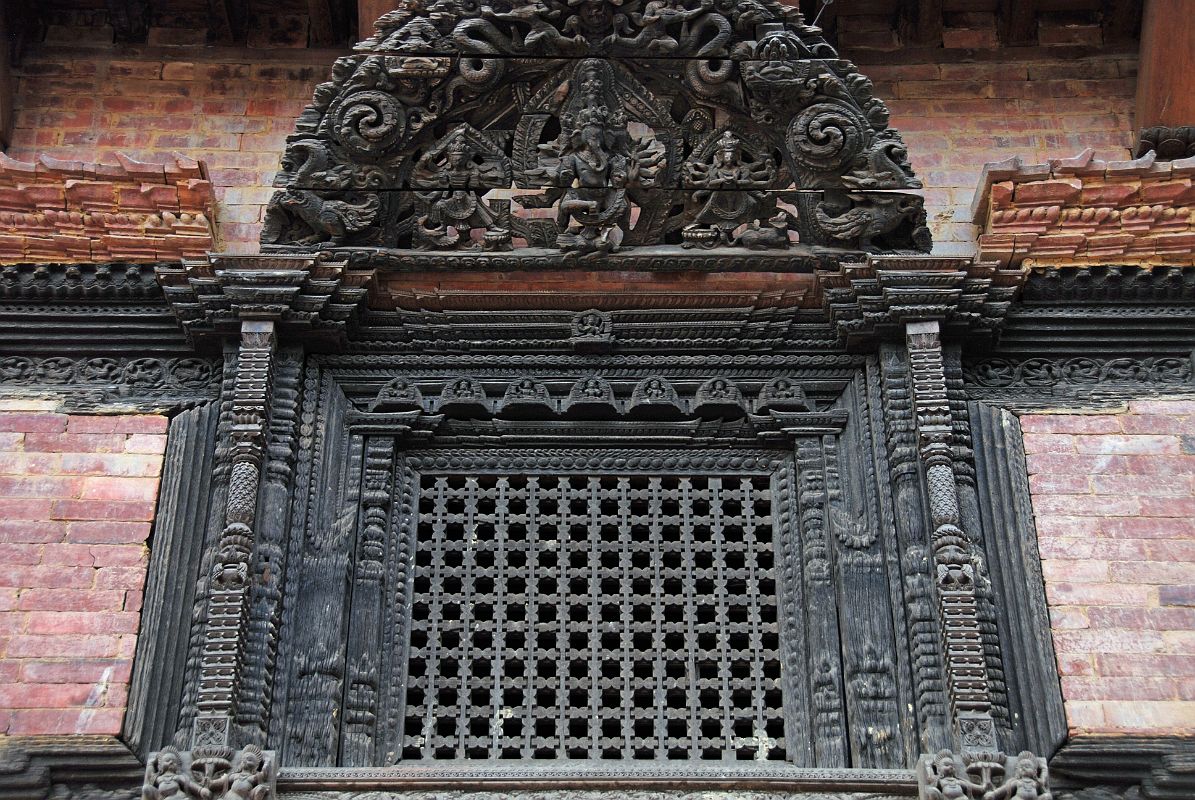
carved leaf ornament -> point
(700, 124)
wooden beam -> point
(921, 22)
(321, 33)
(1018, 22)
(1121, 19)
(129, 20)
(1164, 92)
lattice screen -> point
(594, 617)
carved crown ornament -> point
(540, 132)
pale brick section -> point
(1114, 501)
(77, 500)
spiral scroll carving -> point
(825, 138)
(369, 121)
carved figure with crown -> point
(731, 190)
(450, 179)
(595, 161)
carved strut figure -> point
(456, 199)
(731, 192)
(249, 781)
(775, 236)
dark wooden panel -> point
(1164, 95)
(1015, 567)
(315, 625)
(1018, 22)
(176, 549)
(870, 668)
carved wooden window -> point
(594, 616)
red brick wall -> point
(77, 499)
(1114, 500)
(957, 117)
(234, 112)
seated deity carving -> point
(731, 191)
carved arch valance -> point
(594, 126)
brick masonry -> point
(77, 500)
(234, 111)
(1114, 501)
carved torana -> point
(653, 124)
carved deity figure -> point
(730, 192)
(592, 17)
(450, 187)
(597, 163)
(1025, 783)
(948, 785)
(591, 323)
(167, 780)
(249, 780)
(649, 31)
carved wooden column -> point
(1165, 99)
(224, 639)
(978, 768)
(255, 301)
(966, 670)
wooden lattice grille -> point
(591, 617)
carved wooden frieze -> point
(211, 773)
(595, 127)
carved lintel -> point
(225, 634)
(953, 563)
(211, 773)
(983, 776)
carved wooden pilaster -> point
(224, 640)
(978, 769)
(954, 568)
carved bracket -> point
(309, 296)
(873, 300)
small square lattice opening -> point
(594, 617)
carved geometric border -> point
(580, 775)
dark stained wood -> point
(926, 28)
(322, 31)
(228, 21)
(1121, 19)
(1164, 95)
(182, 517)
(1015, 565)
(129, 19)
(1018, 22)
(367, 12)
